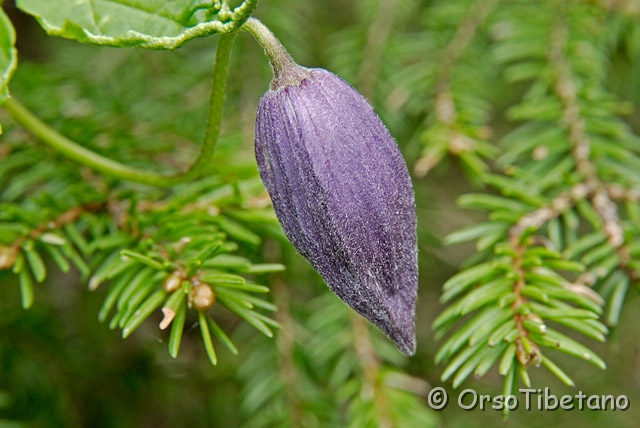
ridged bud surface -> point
(343, 195)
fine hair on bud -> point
(342, 192)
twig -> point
(377, 38)
(579, 139)
(9, 253)
(108, 166)
(445, 108)
(530, 354)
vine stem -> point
(80, 154)
(278, 55)
(285, 70)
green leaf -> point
(113, 266)
(489, 360)
(223, 278)
(140, 281)
(206, 338)
(591, 328)
(560, 313)
(583, 244)
(446, 319)
(475, 231)
(511, 187)
(566, 265)
(177, 326)
(114, 292)
(237, 231)
(26, 288)
(557, 340)
(9, 232)
(489, 292)
(484, 201)
(265, 268)
(143, 312)
(457, 362)
(106, 242)
(217, 331)
(224, 297)
(18, 265)
(8, 55)
(524, 375)
(76, 238)
(227, 261)
(461, 337)
(534, 293)
(557, 371)
(135, 300)
(175, 300)
(472, 163)
(614, 307)
(534, 327)
(465, 279)
(508, 360)
(597, 253)
(468, 367)
(587, 211)
(37, 265)
(509, 386)
(151, 24)
(58, 258)
(251, 317)
(252, 288)
(143, 259)
(498, 335)
(254, 301)
(568, 295)
(76, 259)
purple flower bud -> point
(343, 194)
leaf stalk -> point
(201, 166)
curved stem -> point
(278, 55)
(87, 157)
(285, 70)
(216, 104)
(73, 150)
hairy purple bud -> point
(342, 193)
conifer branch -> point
(377, 39)
(598, 191)
(9, 253)
(445, 108)
(567, 92)
(529, 354)
(446, 112)
(551, 185)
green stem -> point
(87, 157)
(285, 70)
(203, 164)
